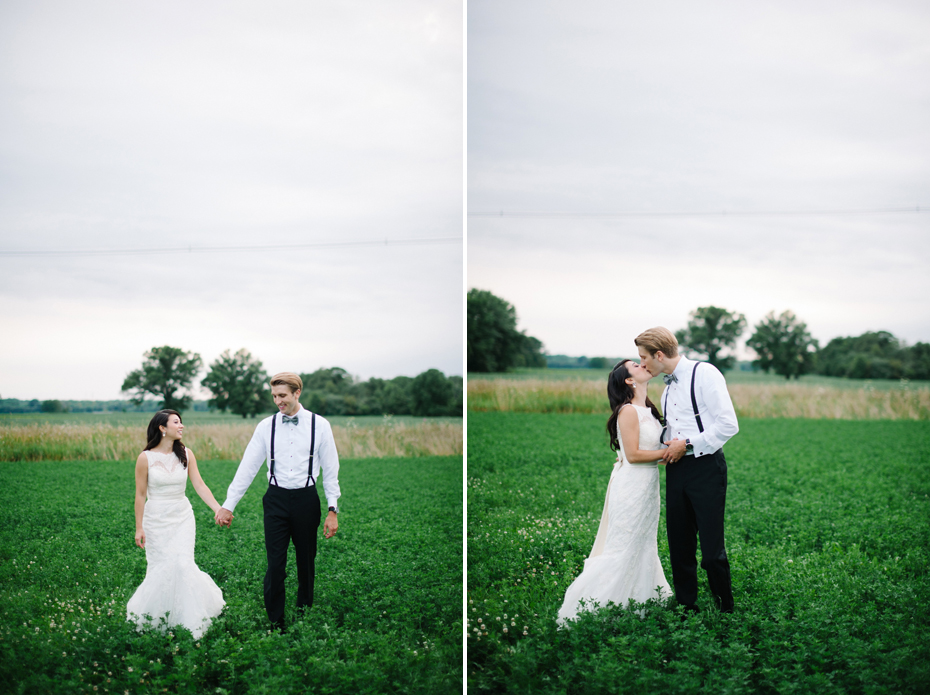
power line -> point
(712, 213)
(207, 249)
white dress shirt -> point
(714, 406)
(291, 457)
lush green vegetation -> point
(828, 537)
(494, 343)
(387, 614)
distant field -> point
(97, 437)
(754, 395)
(195, 417)
(829, 543)
(733, 377)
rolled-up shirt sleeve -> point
(722, 424)
(329, 466)
(252, 460)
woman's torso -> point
(167, 476)
(650, 432)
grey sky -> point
(669, 107)
(155, 125)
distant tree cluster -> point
(494, 343)
(874, 355)
(238, 383)
(333, 391)
(566, 362)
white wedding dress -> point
(624, 563)
(174, 587)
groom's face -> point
(652, 365)
(285, 399)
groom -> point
(297, 444)
(699, 419)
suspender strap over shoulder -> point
(312, 443)
(310, 479)
(697, 415)
(271, 465)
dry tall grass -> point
(100, 441)
(749, 400)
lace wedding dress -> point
(624, 563)
(174, 587)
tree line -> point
(238, 383)
(782, 343)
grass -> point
(89, 440)
(387, 610)
(751, 398)
(828, 537)
(735, 376)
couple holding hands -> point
(698, 419)
(298, 445)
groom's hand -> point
(676, 449)
(330, 526)
(223, 517)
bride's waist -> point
(647, 464)
(167, 497)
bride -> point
(174, 587)
(624, 563)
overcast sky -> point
(156, 125)
(676, 107)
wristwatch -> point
(334, 510)
(688, 446)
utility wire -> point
(205, 249)
(714, 213)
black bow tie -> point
(669, 378)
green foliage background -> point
(828, 537)
(386, 615)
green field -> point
(828, 533)
(735, 376)
(387, 614)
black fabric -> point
(697, 415)
(290, 515)
(695, 500)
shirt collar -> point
(682, 367)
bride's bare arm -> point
(629, 435)
(142, 487)
(197, 481)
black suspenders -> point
(312, 446)
(697, 415)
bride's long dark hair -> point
(155, 436)
(619, 393)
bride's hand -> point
(140, 539)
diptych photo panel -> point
(444, 346)
(232, 366)
(697, 270)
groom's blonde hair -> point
(656, 339)
(289, 379)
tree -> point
(431, 393)
(494, 343)
(783, 345)
(710, 330)
(54, 406)
(238, 383)
(165, 371)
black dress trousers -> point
(290, 515)
(695, 498)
